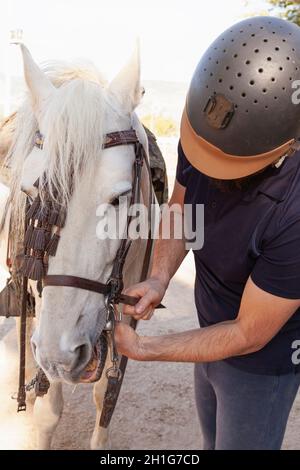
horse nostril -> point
(83, 354)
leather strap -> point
(87, 284)
(91, 286)
(113, 139)
(21, 399)
(114, 384)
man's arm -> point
(260, 317)
(167, 257)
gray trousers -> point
(243, 411)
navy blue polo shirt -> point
(253, 232)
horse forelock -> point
(73, 128)
(73, 135)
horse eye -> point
(120, 198)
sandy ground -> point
(156, 407)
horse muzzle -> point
(82, 364)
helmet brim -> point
(213, 162)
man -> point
(238, 156)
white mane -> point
(73, 121)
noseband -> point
(40, 247)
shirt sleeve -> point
(183, 166)
(277, 269)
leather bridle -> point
(112, 289)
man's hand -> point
(127, 341)
(151, 293)
(260, 318)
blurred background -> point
(173, 36)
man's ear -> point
(39, 85)
(126, 86)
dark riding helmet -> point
(240, 115)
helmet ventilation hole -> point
(251, 65)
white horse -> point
(74, 109)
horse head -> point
(81, 176)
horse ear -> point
(126, 86)
(39, 85)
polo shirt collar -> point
(277, 184)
